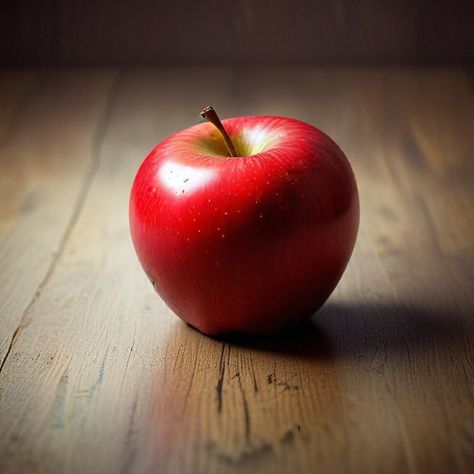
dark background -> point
(126, 32)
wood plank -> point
(96, 312)
(105, 379)
(46, 157)
(440, 111)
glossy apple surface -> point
(249, 243)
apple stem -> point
(211, 116)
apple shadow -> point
(344, 331)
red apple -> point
(247, 243)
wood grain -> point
(103, 378)
(46, 158)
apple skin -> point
(245, 244)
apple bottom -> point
(254, 291)
(248, 320)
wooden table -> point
(98, 376)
